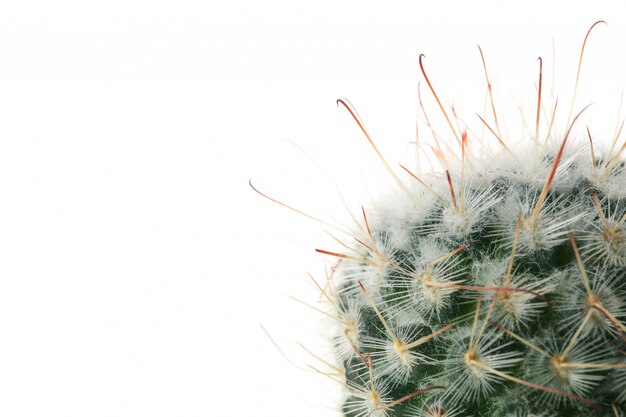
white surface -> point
(136, 263)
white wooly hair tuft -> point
(572, 302)
(549, 371)
(467, 383)
(367, 399)
(548, 230)
(603, 240)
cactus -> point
(494, 288)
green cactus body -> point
(513, 309)
(496, 288)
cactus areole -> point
(495, 287)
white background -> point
(136, 263)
